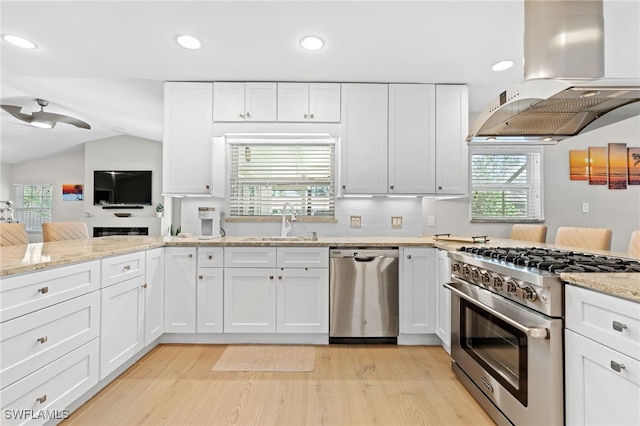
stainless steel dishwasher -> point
(363, 295)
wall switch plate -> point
(356, 222)
(585, 207)
(396, 222)
(431, 220)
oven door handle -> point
(533, 332)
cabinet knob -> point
(391, 187)
(43, 339)
(144, 285)
(617, 367)
(200, 277)
(344, 186)
(279, 277)
(311, 116)
(189, 255)
(409, 256)
(206, 186)
(248, 115)
(439, 188)
(270, 277)
(618, 326)
(241, 115)
(305, 116)
(43, 290)
(209, 257)
(42, 399)
(126, 268)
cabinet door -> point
(188, 129)
(412, 153)
(418, 313)
(293, 102)
(209, 300)
(363, 167)
(303, 300)
(443, 299)
(452, 126)
(324, 102)
(228, 102)
(596, 392)
(260, 101)
(249, 300)
(180, 290)
(122, 329)
(154, 295)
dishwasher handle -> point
(366, 258)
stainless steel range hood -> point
(564, 92)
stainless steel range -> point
(507, 327)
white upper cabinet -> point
(452, 125)
(244, 101)
(412, 130)
(186, 149)
(309, 102)
(364, 127)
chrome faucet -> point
(286, 225)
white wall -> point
(124, 153)
(618, 210)
(6, 190)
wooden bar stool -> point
(12, 234)
(634, 244)
(527, 232)
(587, 238)
(60, 231)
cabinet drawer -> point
(23, 294)
(34, 340)
(210, 257)
(303, 257)
(52, 388)
(250, 257)
(609, 320)
(121, 268)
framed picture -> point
(618, 166)
(633, 165)
(579, 165)
(72, 192)
(597, 165)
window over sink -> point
(264, 174)
(506, 184)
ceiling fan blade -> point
(59, 118)
(15, 111)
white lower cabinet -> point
(209, 314)
(122, 328)
(273, 299)
(417, 291)
(602, 360)
(154, 295)
(443, 299)
(180, 290)
(45, 394)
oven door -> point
(508, 352)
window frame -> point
(507, 150)
(19, 209)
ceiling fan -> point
(42, 119)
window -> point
(506, 184)
(33, 205)
(264, 176)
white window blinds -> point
(265, 176)
(506, 184)
(33, 205)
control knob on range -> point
(455, 267)
(466, 271)
(512, 287)
(497, 282)
(485, 277)
(528, 293)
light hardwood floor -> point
(350, 385)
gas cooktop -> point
(554, 260)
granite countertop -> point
(21, 259)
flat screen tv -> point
(121, 187)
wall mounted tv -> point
(117, 187)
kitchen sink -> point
(281, 239)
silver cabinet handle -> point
(42, 399)
(127, 268)
(42, 339)
(43, 290)
(144, 285)
(616, 366)
(618, 326)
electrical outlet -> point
(396, 222)
(356, 221)
(431, 220)
(585, 207)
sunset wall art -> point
(633, 163)
(597, 165)
(617, 166)
(614, 165)
(579, 164)
(72, 192)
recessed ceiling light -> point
(18, 41)
(189, 42)
(311, 42)
(502, 65)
